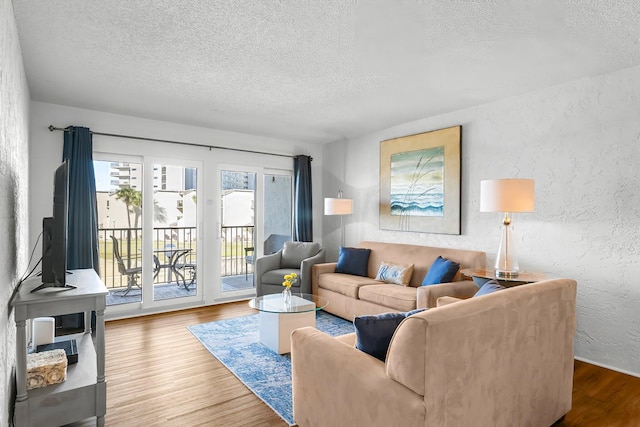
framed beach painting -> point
(420, 182)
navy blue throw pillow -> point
(489, 287)
(441, 271)
(353, 261)
(374, 333)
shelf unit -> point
(84, 393)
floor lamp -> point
(338, 206)
(507, 196)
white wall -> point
(581, 143)
(14, 181)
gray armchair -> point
(294, 257)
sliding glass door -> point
(148, 223)
(237, 229)
(175, 231)
(119, 198)
(156, 250)
(255, 220)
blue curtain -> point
(303, 208)
(82, 230)
(82, 227)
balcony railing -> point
(234, 242)
(237, 243)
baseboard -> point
(127, 314)
(234, 298)
(612, 368)
(150, 311)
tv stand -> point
(83, 394)
(64, 287)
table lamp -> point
(507, 196)
(338, 206)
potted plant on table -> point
(289, 280)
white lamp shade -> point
(338, 206)
(507, 195)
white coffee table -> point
(278, 319)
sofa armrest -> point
(317, 270)
(442, 301)
(264, 264)
(428, 295)
(326, 373)
(305, 270)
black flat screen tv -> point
(54, 234)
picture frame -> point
(420, 182)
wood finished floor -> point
(159, 374)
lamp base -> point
(506, 265)
(506, 274)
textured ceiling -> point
(313, 70)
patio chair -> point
(184, 270)
(249, 258)
(132, 273)
(168, 253)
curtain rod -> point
(143, 138)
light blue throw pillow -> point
(489, 287)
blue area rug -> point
(235, 343)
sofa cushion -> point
(293, 253)
(276, 277)
(374, 333)
(489, 287)
(401, 298)
(441, 271)
(353, 261)
(345, 284)
(399, 274)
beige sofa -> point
(503, 359)
(351, 296)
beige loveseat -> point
(351, 296)
(503, 359)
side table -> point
(279, 318)
(84, 393)
(482, 275)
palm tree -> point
(159, 213)
(133, 201)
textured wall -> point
(581, 143)
(14, 121)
